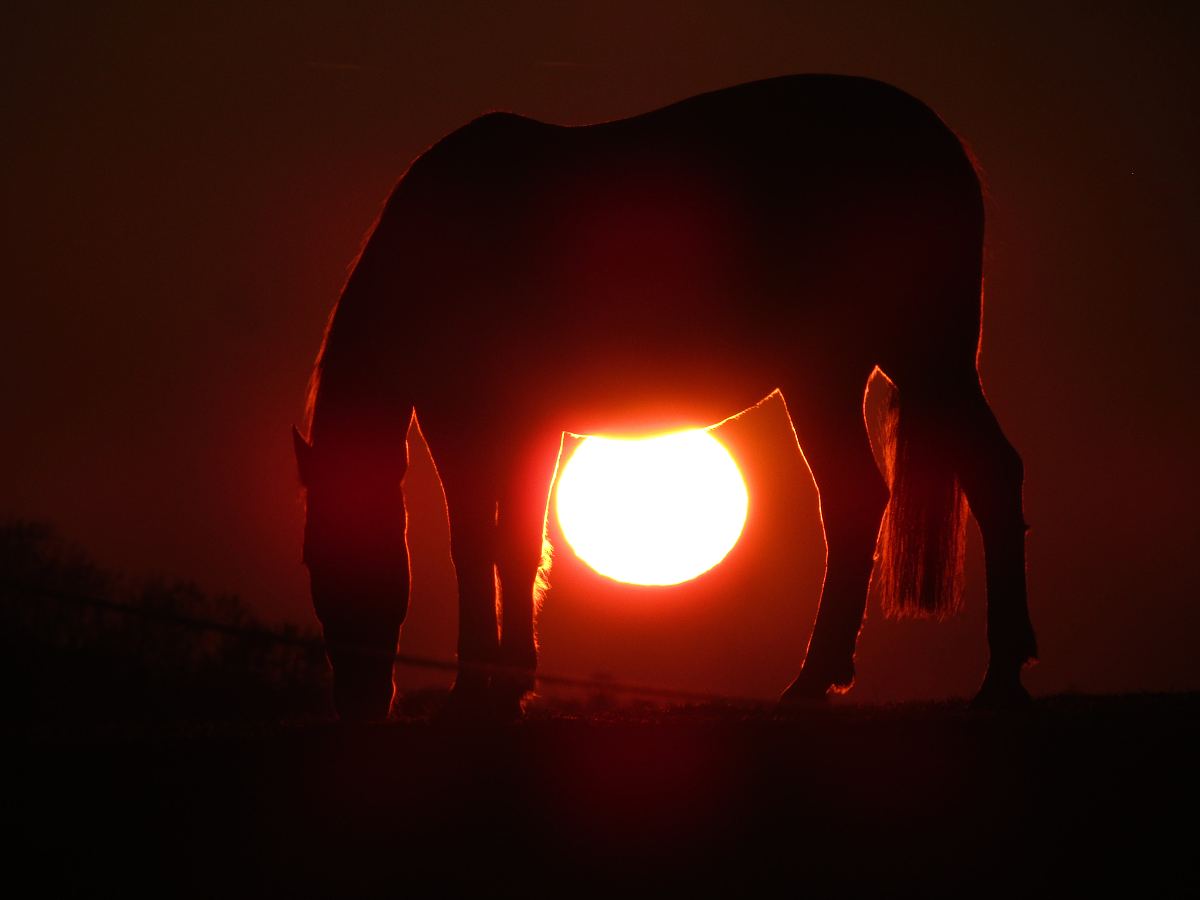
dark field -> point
(1077, 793)
(162, 739)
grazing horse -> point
(654, 273)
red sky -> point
(184, 189)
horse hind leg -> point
(992, 474)
(954, 423)
(472, 511)
(833, 438)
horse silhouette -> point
(653, 273)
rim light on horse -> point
(664, 271)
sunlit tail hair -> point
(923, 537)
(541, 582)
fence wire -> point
(316, 644)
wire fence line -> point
(317, 645)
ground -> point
(1079, 791)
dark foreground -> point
(1079, 792)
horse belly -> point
(630, 401)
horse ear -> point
(303, 455)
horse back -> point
(699, 249)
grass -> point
(928, 798)
(187, 761)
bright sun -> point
(656, 510)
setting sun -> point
(653, 511)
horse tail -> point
(922, 540)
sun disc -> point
(652, 511)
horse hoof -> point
(996, 695)
(810, 688)
(362, 706)
(794, 698)
(806, 691)
(508, 704)
(353, 714)
(468, 701)
(508, 691)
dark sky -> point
(184, 189)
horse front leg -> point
(522, 563)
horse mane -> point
(315, 378)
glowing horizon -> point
(659, 510)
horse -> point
(800, 234)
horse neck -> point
(356, 426)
